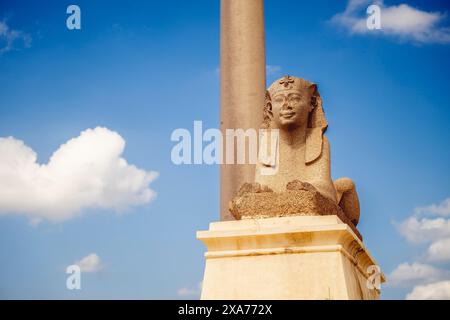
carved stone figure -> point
(302, 183)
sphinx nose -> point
(286, 105)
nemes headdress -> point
(317, 123)
(288, 83)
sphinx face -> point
(291, 108)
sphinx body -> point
(294, 108)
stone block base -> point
(300, 257)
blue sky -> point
(145, 68)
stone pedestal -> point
(300, 257)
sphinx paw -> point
(253, 188)
(299, 185)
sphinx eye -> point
(279, 99)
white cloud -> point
(187, 292)
(430, 282)
(433, 291)
(85, 172)
(410, 274)
(439, 251)
(424, 230)
(272, 70)
(401, 21)
(90, 263)
(9, 38)
(441, 209)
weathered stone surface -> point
(254, 201)
(253, 187)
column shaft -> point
(242, 83)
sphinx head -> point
(291, 103)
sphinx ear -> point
(313, 91)
(268, 107)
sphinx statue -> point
(302, 183)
